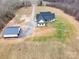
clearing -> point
(25, 48)
(63, 29)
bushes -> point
(2, 24)
(8, 16)
(77, 16)
(5, 19)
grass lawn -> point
(64, 31)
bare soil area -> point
(43, 31)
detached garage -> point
(11, 32)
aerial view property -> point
(39, 29)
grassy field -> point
(49, 46)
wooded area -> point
(68, 6)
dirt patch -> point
(43, 31)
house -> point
(10, 32)
(44, 17)
(40, 20)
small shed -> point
(10, 32)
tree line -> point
(68, 6)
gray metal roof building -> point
(11, 31)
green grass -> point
(42, 38)
(64, 31)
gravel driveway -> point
(29, 28)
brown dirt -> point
(43, 31)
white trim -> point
(15, 35)
(41, 24)
(41, 21)
(19, 30)
(53, 20)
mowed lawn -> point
(63, 31)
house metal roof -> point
(39, 18)
(45, 16)
(48, 15)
